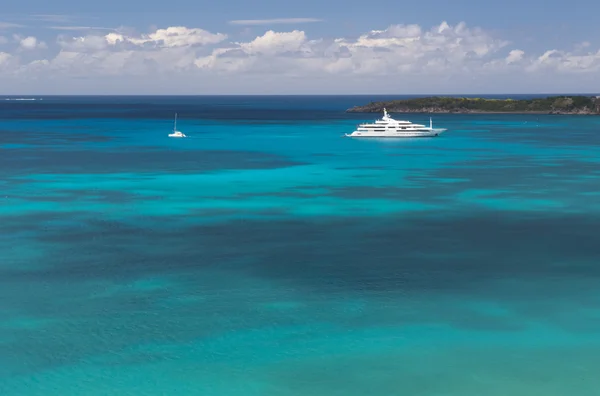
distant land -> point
(585, 105)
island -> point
(589, 105)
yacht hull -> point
(404, 134)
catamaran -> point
(389, 127)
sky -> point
(308, 47)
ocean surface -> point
(266, 255)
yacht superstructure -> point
(389, 127)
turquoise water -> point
(267, 255)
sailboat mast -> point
(175, 124)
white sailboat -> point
(176, 133)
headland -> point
(584, 105)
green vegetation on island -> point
(440, 104)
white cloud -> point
(515, 56)
(29, 43)
(272, 43)
(286, 53)
(171, 37)
(405, 57)
(279, 21)
(566, 62)
(397, 49)
(174, 36)
(114, 38)
(403, 48)
(116, 54)
(84, 43)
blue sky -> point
(532, 27)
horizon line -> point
(317, 94)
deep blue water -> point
(267, 255)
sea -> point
(267, 255)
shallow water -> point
(267, 255)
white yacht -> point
(176, 133)
(389, 128)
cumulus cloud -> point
(515, 56)
(29, 42)
(273, 43)
(174, 36)
(289, 53)
(563, 61)
(397, 49)
(409, 55)
(173, 49)
(83, 43)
